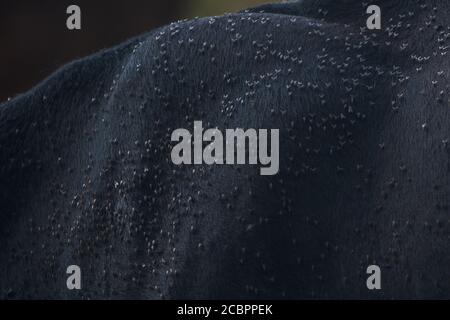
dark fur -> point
(86, 176)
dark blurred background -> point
(35, 41)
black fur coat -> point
(86, 176)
